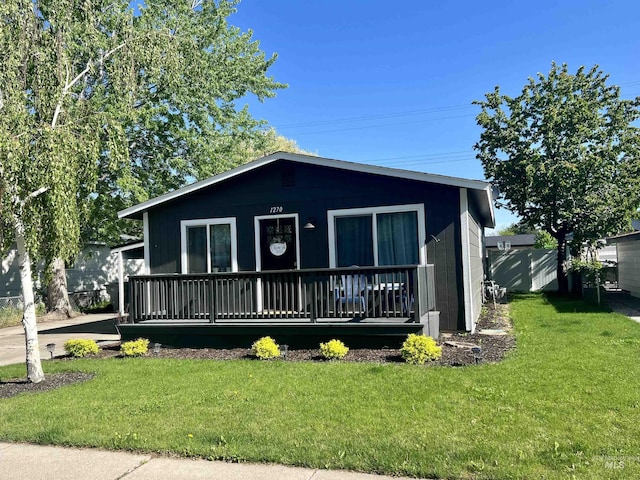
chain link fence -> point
(11, 302)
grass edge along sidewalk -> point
(564, 404)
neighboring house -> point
(510, 242)
(95, 269)
(410, 243)
(609, 253)
(514, 263)
(628, 254)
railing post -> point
(133, 301)
(212, 299)
(417, 294)
(313, 310)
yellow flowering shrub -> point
(417, 349)
(79, 347)
(334, 350)
(135, 348)
(265, 348)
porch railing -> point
(313, 295)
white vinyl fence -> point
(524, 270)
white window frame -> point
(207, 222)
(374, 211)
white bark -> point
(34, 366)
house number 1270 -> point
(276, 210)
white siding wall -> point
(629, 266)
(477, 270)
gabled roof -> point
(524, 240)
(482, 188)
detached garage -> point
(628, 247)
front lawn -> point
(565, 403)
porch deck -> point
(373, 305)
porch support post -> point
(416, 294)
(120, 284)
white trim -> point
(311, 160)
(206, 222)
(131, 246)
(466, 261)
(120, 283)
(146, 238)
(373, 211)
(256, 223)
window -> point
(209, 245)
(377, 236)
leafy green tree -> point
(516, 229)
(565, 156)
(545, 240)
(149, 181)
(81, 83)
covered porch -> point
(292, 304)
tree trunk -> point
(57, 294)
(34, 367)
(561, 272)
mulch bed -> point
(456, 352)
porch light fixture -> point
(310, 225)
(477, 353)
(285, 351)
(156, 348)
(51, 347)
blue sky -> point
(391, 83)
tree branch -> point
(78, 77)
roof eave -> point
(134, 211)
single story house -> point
(510, 242)
(628, 255)
(93, 276)
(290, 242)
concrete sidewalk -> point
(35, 462)
(99, 327)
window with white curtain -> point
(377, 236)
(209, 245)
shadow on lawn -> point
(573, 304)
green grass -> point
(10, 316)
(566, 404)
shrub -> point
(135, 348)
(79, 347)
(417, 349)
(265, 348)
(334, 350)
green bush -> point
(334, 350)
(417, 349)
(265, 348)
(79, 347)
(135, 348)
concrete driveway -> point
(99, 327)
(622, 302)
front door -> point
(277, 249)
(278, 243)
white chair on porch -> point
(351, 294)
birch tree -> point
(78, 80)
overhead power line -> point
(373, 117)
